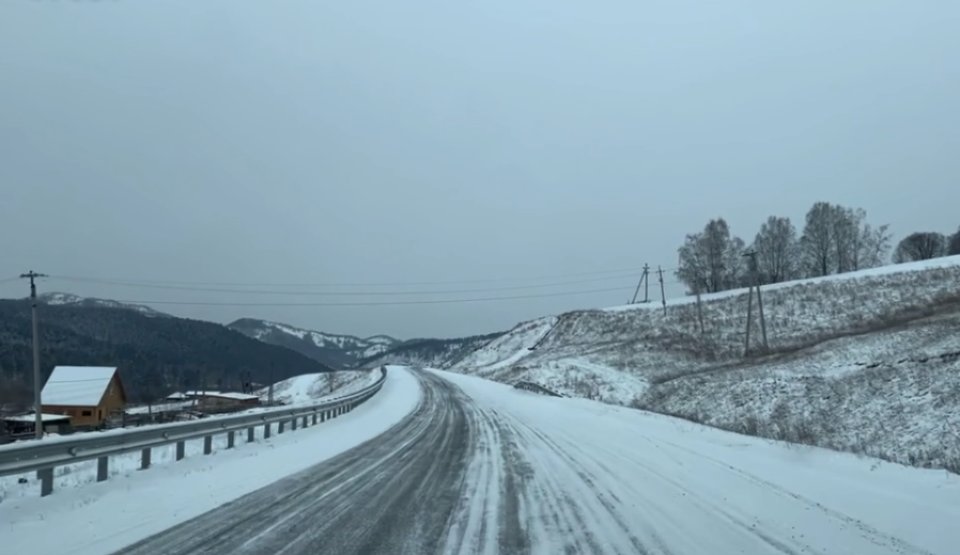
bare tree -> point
(837, 239)
(953, 247)
(333, 381)
(693, 268)
(817, 242)
(710, 261)
(777, 250)
(846, 237)
(737, 274)
(922, 245)
(874, 246)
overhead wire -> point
(150, 285)
(379, 303)
(211, 287)
(631, 270)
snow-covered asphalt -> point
(481, 468)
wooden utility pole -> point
(37, 402)
(663, 295)
(746, 343)
(756, 284)
(646, 283)
(270, 387)
(699, 309)
(644, 280)
(752, 255)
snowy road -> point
(481, 468)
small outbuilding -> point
(25, 424)
(226, 400)
(89, 395)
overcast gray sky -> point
(234, 141)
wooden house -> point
(89, 395)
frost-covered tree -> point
(777, 250)
(837, 239)
(846, 224)
(953, 247)
(817, 242)
(711, 260)
(922, 245)
(874, 245)
(332, 380)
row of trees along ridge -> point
(835, 239)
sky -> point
(538, 153)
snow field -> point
(98, 518)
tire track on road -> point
(397, 493)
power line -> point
(151, 285)
(380, 303)
(632, 271)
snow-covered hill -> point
(432, 353)
(68, 299)
(337, 351)
(312, 388)
(863, 361)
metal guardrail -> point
(536, 388)
(43, 456)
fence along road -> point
(45, 455)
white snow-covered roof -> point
(200, 393)
(30, 418)
(77, 385)
(231, 395)
(176, 396)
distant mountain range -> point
(338, 351)
(67, 299)
(348, 351)
(430, 353)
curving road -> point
(485, 469)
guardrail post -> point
(181, 448)
(323, 416)
(231, 437)
(145, 459)
(207, 445)
(266, 431)
(304, 421)
(46, 481)
(103, 468)
(293, 424)
(314, 419)
(250, 433)
(280, 426)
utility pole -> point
(756, 284)
(270, 387)
(746, 343)
(643, 280)
(699, 305)
(663, 295)
(37, 402)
